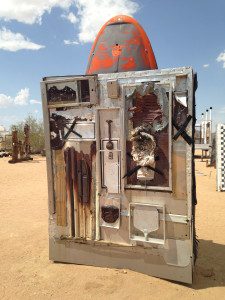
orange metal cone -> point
(121, 45)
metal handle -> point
(109, 144)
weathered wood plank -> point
(60, 189)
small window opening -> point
(84, 91)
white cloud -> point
(29, 11)
(70, 17)
(93, 14)
(221, 58)
(15, 41)
(205, 65)
(20, 99)
(5, 100)
(8, 120)
(69, 42)
(33, 101)
(90, 16)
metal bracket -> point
(113, 89)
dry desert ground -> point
(26, 272)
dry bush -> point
(36, 133)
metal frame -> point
(92, 88)
(48, 151)
(155, 188)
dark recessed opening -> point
(84, 91)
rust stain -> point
(110, 213)
(116, 50)
(69, 188)
(79, 186)
(146, 109)
(59, 188)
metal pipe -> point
(210, 114)
(206, 115)
(202, 128)
(205, 127)
(210, 119)
(202, 116)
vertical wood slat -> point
(60, 188)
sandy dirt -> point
(26, 272)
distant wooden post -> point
(27, 140)
(21, 148)
(15, 147)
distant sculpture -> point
(21, 151)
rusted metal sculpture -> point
(21, 150)
(27, 141)
(119, 149)
(15, 147)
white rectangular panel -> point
(111, 168)
(86, 130)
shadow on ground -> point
(34, 161)
(210, 265)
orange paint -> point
(102, 47)
(98, 63)
(129, 65)
(104, 56)
(116, 51)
